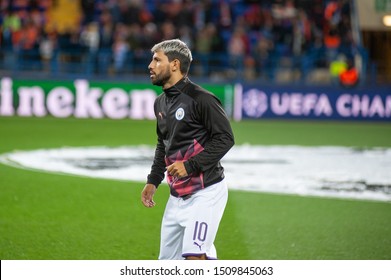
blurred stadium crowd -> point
(269, 40)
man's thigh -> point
(171, 232)
(204, 216)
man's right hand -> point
(147, 195)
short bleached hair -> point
(175, 49)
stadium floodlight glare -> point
(387, 20)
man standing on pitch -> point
(194, 133)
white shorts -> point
(189, 227)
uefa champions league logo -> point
(255, 103)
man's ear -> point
(176, 64)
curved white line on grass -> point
(316, 171)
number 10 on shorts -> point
(200, 231)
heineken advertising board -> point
(87, 99)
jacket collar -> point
(178, 87)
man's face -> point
(159, 69)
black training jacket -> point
(191, 127)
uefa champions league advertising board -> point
(262, 102)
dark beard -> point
(162, 79)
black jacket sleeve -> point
(221, 137)
(158, 168)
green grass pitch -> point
(61, 217)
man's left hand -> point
(177, 169)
